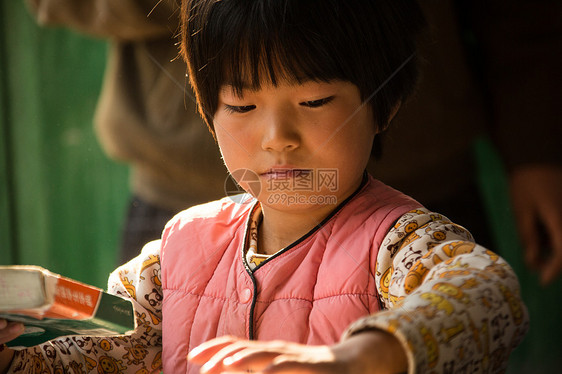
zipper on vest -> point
(252, 307)
(251, 274)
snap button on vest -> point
(246, 295)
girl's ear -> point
(394, 111)
(392, 114)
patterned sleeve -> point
(453, 304)
(137, 352)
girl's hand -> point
(368, 352)
(8, 331)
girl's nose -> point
(280, 134)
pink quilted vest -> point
(308, 293)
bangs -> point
(271, 45)
(254, 64)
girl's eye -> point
(239, 109)
(317, 103)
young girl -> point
(324, 269)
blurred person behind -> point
(146, 115)
(491, 70)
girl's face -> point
(307, 144)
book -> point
(50, 305)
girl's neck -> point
(279, 229)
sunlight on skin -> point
(368, 352)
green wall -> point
(61, 199)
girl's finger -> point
(203, 352)
(215, 364)
(250, 359)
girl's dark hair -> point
(244, 43)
